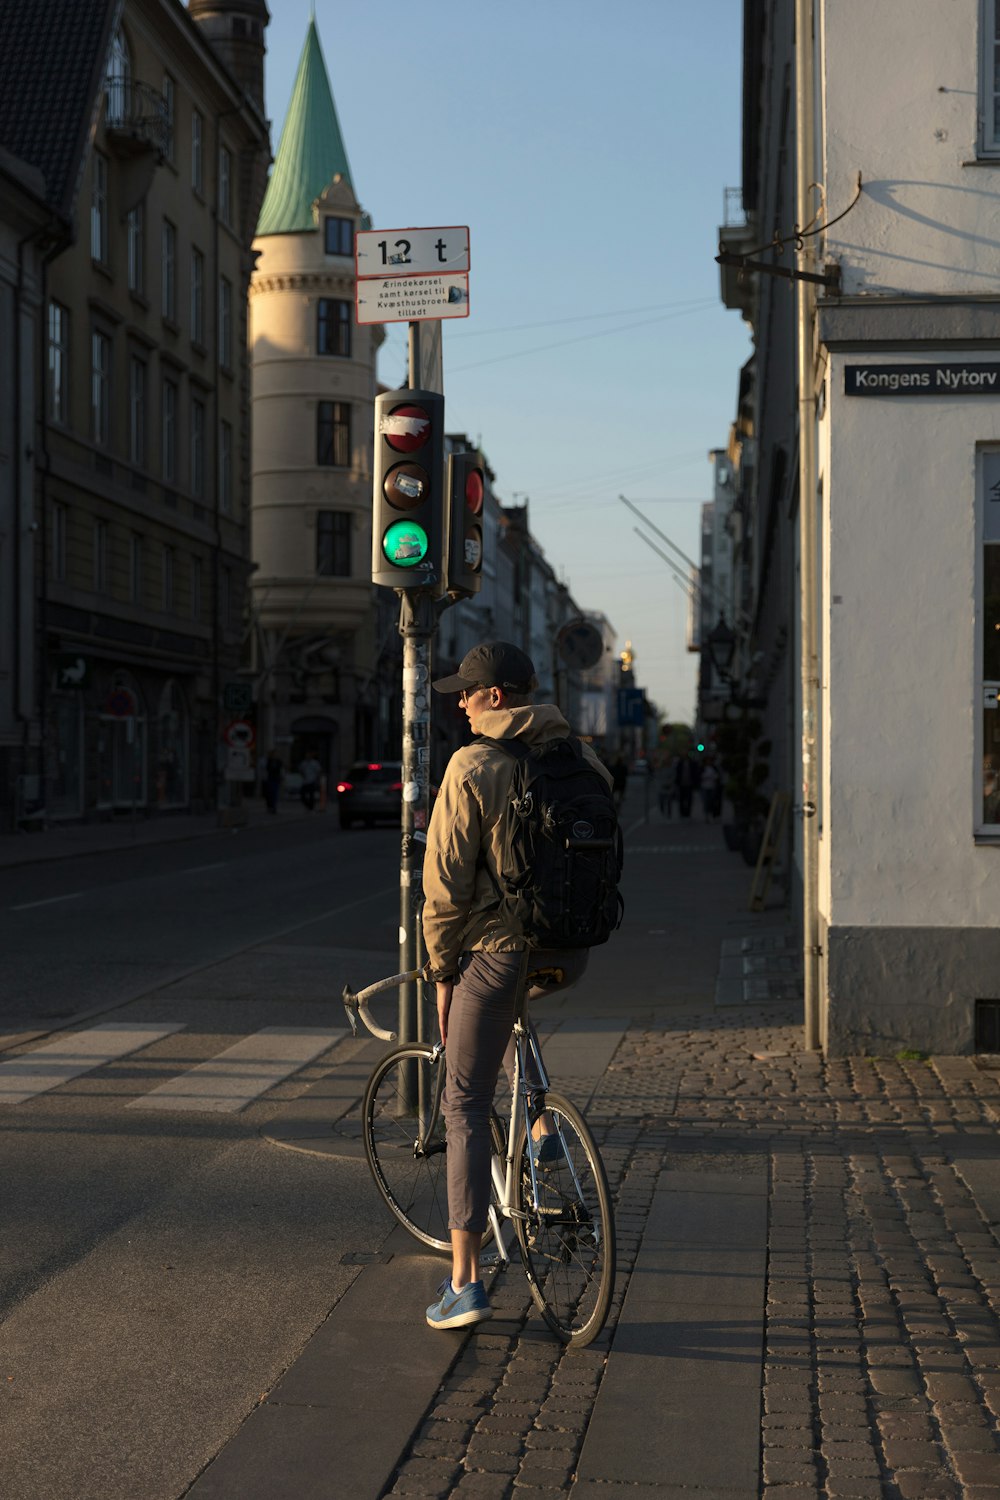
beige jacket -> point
(463, 839)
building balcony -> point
(136, 119)
(737, 237)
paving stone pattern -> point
(882, 1366)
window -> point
(169, 96)
(333, 326)
(135, 568)
(197, 159)
(171, 748)
(333, 434)
(333, 543)
(197, 297)
(168, 579)
(338, 236)
(137, 412)
(225, 185)
(99, 210)
(225, 467)
(100, 388)
(989, 78)
(225, 323)
(225, 595)
(988, 792)
(58, 372)
(168, 431)
(100, 557)
(168, 271)
(57, 543)
(197, 448)
(117, 80)
(136, 248)
(196, 588)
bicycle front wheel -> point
(567, 1237)
(405, 1140)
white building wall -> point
(900, 90)
(908, 894)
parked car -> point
(371, 791)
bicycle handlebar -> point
(356, 1004)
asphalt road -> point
(161, 1267)
(98, 930)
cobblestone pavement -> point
(882, 1367)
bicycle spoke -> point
(567, 1235)
(406, 1147)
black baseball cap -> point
(493, 664)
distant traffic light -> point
(466, 492)
(408, 501)
(699, 747)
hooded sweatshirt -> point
(461, 864)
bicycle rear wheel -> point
(405, 1140)
(567, 1241)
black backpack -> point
(561, 850)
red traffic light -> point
(474, 490)
(406, 428)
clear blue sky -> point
(587, 145)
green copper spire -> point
(311, 150)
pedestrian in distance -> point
(687, 782)
(619, 778)
(710, 786)
(274, 771)
(668, 787)
(474, 952)
(312, 774)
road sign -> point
(72, 671)
(237, 698)
(631, 707)
(240, 735)
(412, 299)
(121, 703)
(411, 252)
(580, 644)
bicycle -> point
(560, 1208)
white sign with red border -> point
(240, 735)
(412, 252)
(412, 299)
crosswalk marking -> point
(47, 1067)
(244, 1071)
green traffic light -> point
(699, 748)
(405, 544)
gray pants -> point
(479, 1040)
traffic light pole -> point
(417, 623)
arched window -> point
(118, 79)
(171, 768)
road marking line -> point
(244, 1071)
(49, 901)
(46, 1068)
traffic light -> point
(466, 491)
(409, 512)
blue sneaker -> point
(459, 1309)
(547, 1150)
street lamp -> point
(721, 649)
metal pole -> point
(417, 621)
(809, 662)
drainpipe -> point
(808, 597)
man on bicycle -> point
(473, 960)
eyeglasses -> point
(468, 693)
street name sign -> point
(412, 299)
(951, 379)
(411, 252)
